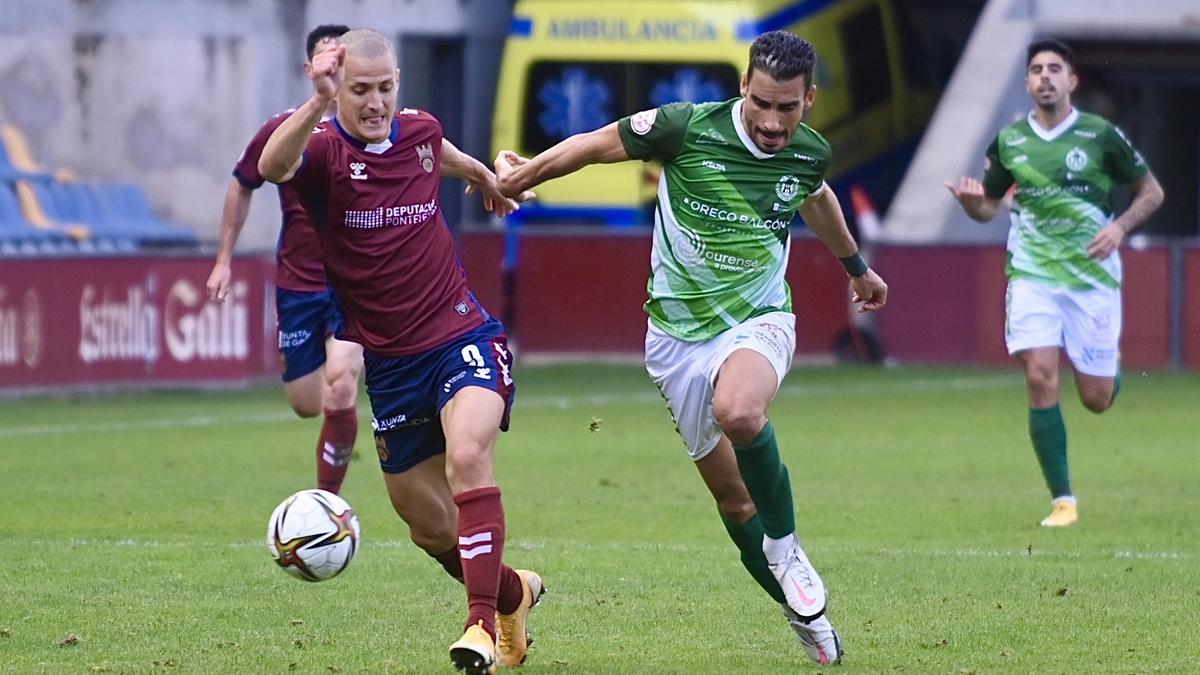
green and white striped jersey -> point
(1065, 178)
(721, 237)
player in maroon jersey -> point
(320, 372)
(438, 368)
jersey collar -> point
(1051, 134)
(743, 135)
(373, 148)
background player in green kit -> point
(1064, 273)
(721, 334)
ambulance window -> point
(657, 84)
(866, 58)
(570, 97)
(564, 98)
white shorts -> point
(685, 371)
(1085, 322)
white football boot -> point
(802, 586)
(819, 638)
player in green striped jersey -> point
(721, 334)
(1064, 272)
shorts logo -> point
(397, 422)
(642, 122)
(503, 359)
(1076, 159)
(294, 338)
(381, 448)
(425, 157)
(356, 171)
(449, 384)
(483, 373)
(461, 308)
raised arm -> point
(285, 149)
(233, 219)
(1147, 197)
(602, 146)
(823, 214)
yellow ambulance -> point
(572, 66)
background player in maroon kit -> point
(320, 372)
(437, 365)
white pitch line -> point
(789, 391)
(651, 547)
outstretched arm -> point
(969, 193)
(233, 219)
(1147, 197)
(458, 164)
(602, 146)
(823, 214)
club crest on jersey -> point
(643, 121)
(1076, 159)
(787, 188)
(356, 171)
(425, 157)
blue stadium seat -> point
(10, 169)
(19, 236)
(123, 207)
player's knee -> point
(738, 419)
(341, 390)
(468, 466)
(305, 408)
(1042, 383)
(736, 508)
(1097, 402)
(432, 538)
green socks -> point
(749, 540)
(766, 479)
(1049, 436)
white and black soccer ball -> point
(313, 535)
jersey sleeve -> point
(314, 163)
(996, 178)
(246, 169)
(1123, 163)
(656, 133)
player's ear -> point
(810, 95)
(1073, 80)
(745, 84)
(308, 70)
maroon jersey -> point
(388, 253)
(298, 253)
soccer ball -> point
(313, 535)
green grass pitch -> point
(133, 534)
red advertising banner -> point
(95, 322)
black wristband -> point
(855, 265)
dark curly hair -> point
(1050, 45)
(783, 56)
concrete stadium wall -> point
(168, 93)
